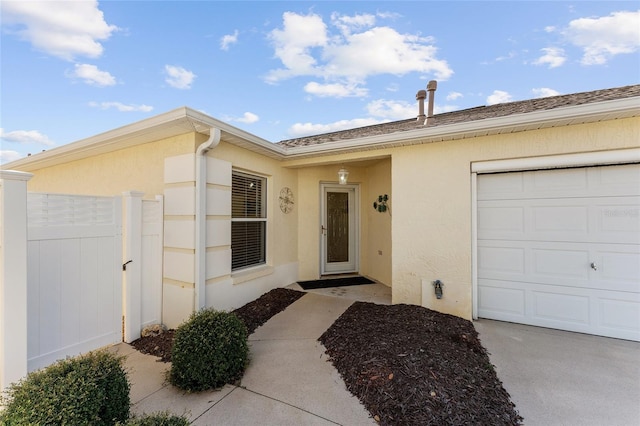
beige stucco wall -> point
(139, 168)
(428, 233)
(432, 205)
(377, 251)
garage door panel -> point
(620, 215)
(494, 262)
(588, 220)
(561, 249)
(606, 181)
(550, 183)
(559, 264)
(501, 186)
(616, 314)
(560, 220)
(560, 306)
(501, 222)
(500, 301)
(623, 180)
(607, 313)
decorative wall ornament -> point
(286, 200)
(381, 203)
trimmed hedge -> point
(90, 389)
(210, 349)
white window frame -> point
(262, 219)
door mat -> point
(335, 282)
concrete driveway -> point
(563, 378)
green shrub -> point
(210, 349)
(158, 419)
(90, 389)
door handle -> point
(323, 230)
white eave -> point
(173, 123)
(184, 120)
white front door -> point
(339, 229)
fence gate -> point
(74, 275)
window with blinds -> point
(248, 220)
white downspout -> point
(201, 216)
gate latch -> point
(124, 265)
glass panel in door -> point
(337, 227)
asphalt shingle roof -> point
(471, 114)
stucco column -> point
(13, 276)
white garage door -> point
(561, 249)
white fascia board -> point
(179, 120)
(507, 124)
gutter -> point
(201, 217)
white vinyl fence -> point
(74, 279)
(76, 273)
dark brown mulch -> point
(412, 366)
(253, 314)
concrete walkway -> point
(553, 377)
(289, 380)
(561, 378)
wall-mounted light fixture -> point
(437, 286)
(381, 203)
(343, 174)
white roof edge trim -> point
(225, 127)
(459, 129)
(113, 136)
(15, 175)
(583, 159)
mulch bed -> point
(412, 366)
(253, 314)
(407, 364)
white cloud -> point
(452, 96)
(549, 29)
(553, 57)
(543, 92)
(248, 118)
(228, 40)
(179, 77)
(306, 47)
(293, 45)
(91, 75)
(6, 156)
(121, 107)
(604, 37)
(26, 137)
(347, 24)
(65, 30)
(498, 97)
(335, 90)
(306, 129)
(392, 110)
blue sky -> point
(73, 69)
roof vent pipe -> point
(431, 88)
(420, 97)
